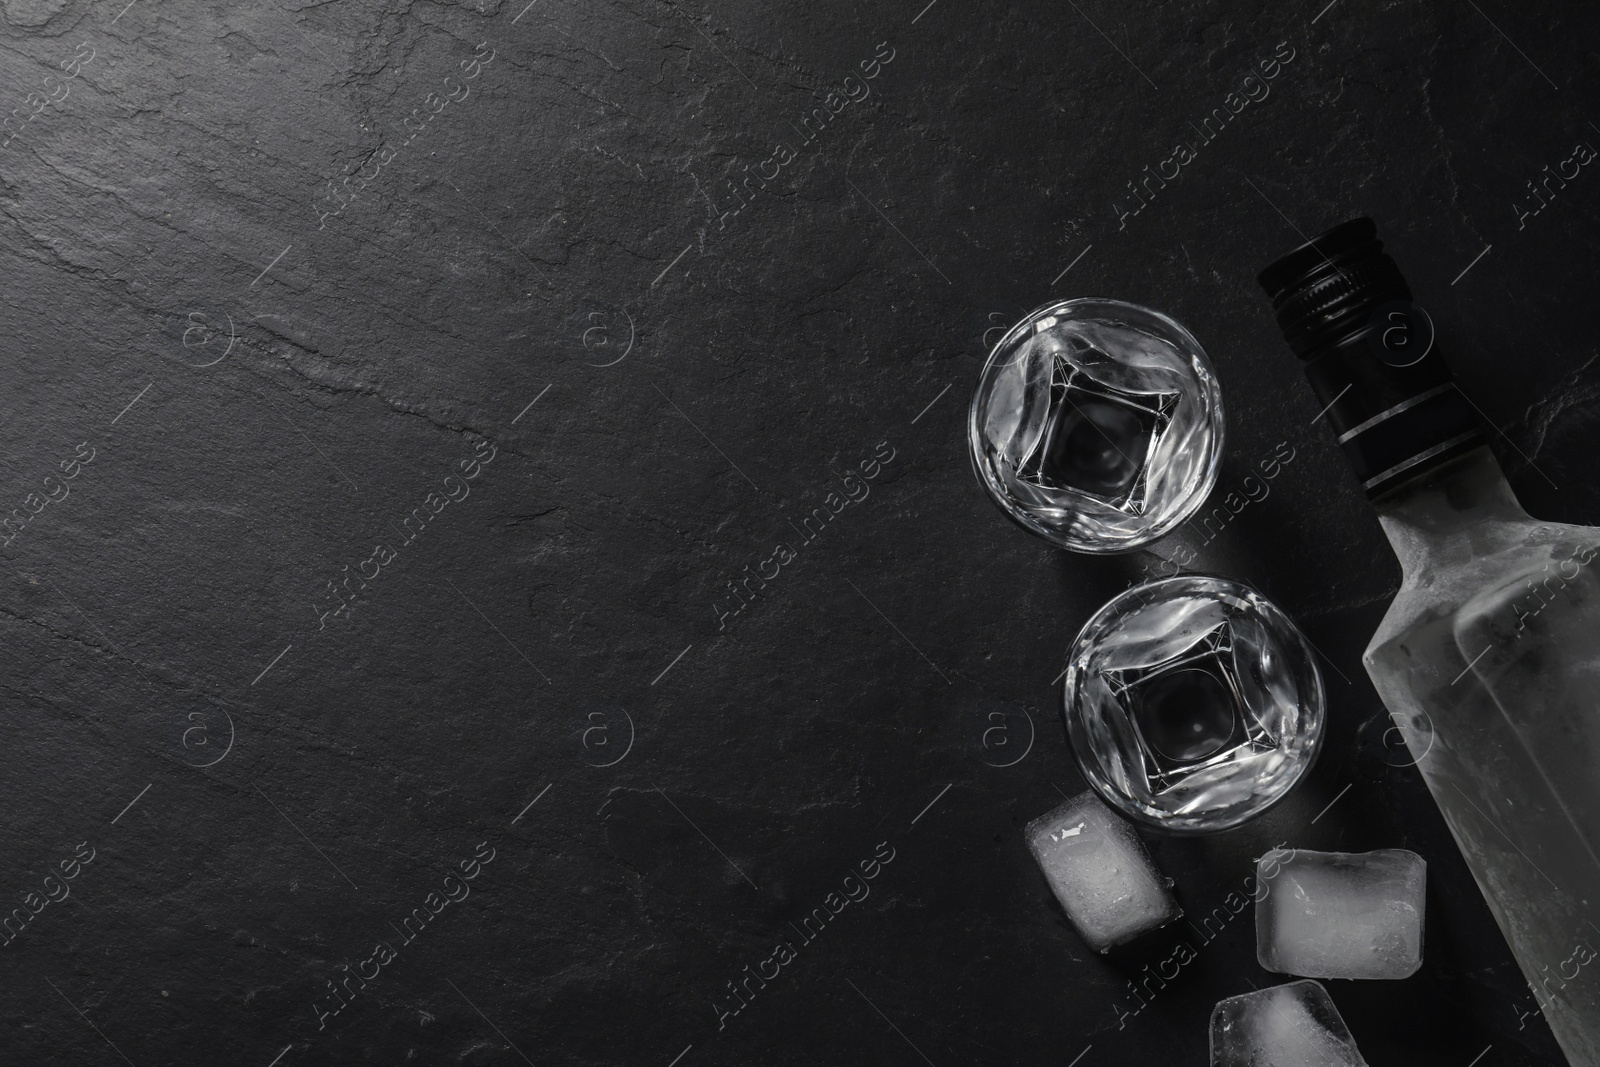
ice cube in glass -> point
(1097, 424)
(1192, 703)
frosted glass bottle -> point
(1489, 656)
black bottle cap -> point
(1347, 312)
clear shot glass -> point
(1192, 703)
(1097, 424)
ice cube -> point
(1098, 439)
(1294, 1025)
(1100, 872)
(1340, 914)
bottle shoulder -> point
(1485, 567)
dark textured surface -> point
(705, 376)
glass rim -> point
(1024, 518)
(1219, 819)
(1058, 307)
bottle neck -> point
(1440, 509)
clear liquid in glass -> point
(1097, 424)
(1193, 703)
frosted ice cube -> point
(1341, 914)
(1293, 1025)
(1100, 872)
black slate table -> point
(398, 397)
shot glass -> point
(1192, 703)
(1097, 424)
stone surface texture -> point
(442, 365)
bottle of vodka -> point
(1489, 657)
